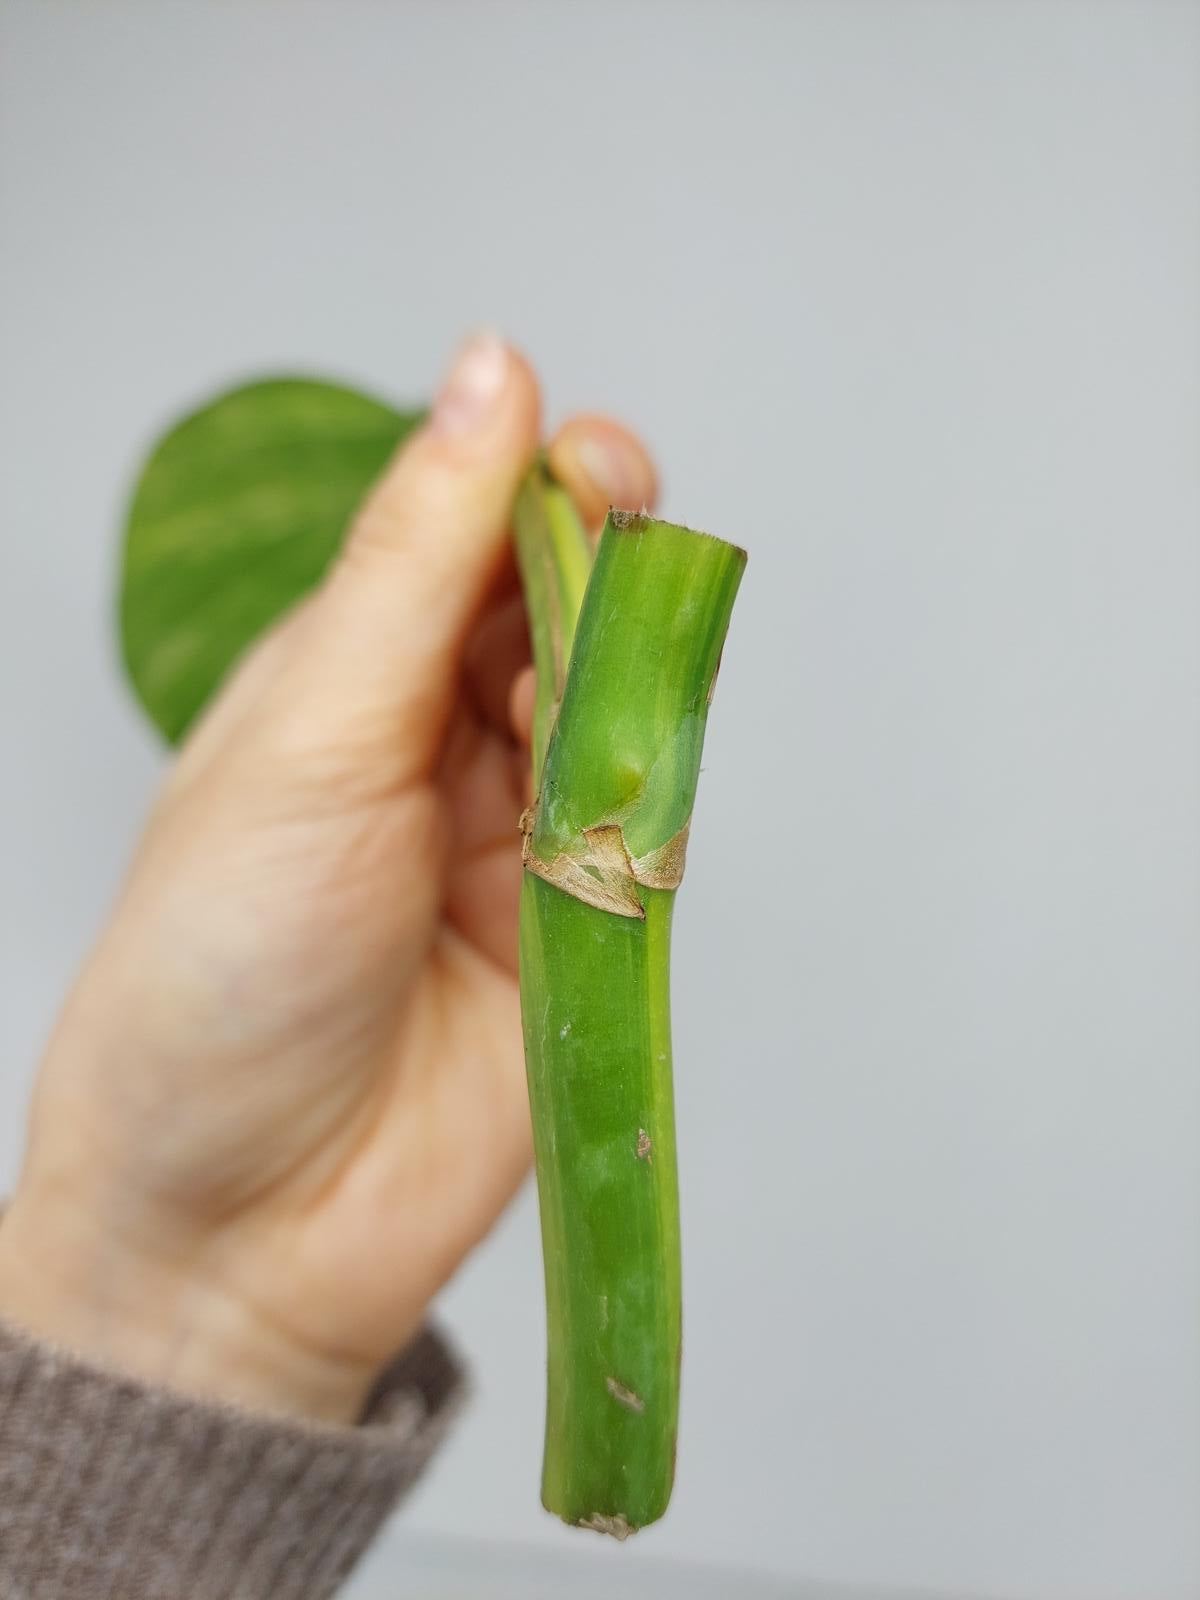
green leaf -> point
(236, 515)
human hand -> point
(286, 1096)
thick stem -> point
(598, 1053)
(603, 853)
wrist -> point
(167, 1321)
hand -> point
(286, 1096)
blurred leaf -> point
(236, 515)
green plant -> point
(237, 513)
(604, 851)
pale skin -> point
(286, 1096)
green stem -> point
(604, 850)
(555, 559)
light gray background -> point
(907, 297)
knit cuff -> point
(112, 1489)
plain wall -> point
(907, 298)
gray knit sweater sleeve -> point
(111, 1489)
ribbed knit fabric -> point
(112, 1489)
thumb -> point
(380, 666)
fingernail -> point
(608, 465)
(473, 386)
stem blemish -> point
(624, 1396)
(599, 1523)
